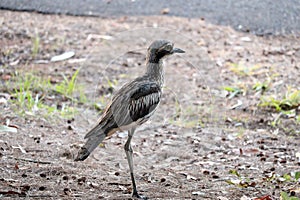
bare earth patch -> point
(205, 141)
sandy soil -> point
(200, 144)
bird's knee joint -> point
(128, 148)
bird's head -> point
(161, 48)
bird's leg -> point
(128, 151)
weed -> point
(289, 177)
(262, 87)
(285, 196)
(234, 172)
(239, 180)
(24, 94)
(234, 91)
(7, 52)
(35, 46)
(188, 117)
(100, 105)
(177, 109)
(290, 101)
(67, 111)
(243, 70)
(67, 87)
(29, 92)
(111, 83)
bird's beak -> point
(177, 50)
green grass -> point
(30, 93)
(67, 86)
(35, 46)
(291, 100)
(262, 87)
(234, 91)
(242, 88)
(285, 196)
(111, 83)
(187, 117)
(241, 181)
(243, 70)
(247, 83)
(289, 177)
(238, 180)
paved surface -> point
(259, 17)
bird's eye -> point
(168, 47)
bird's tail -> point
(93, 141)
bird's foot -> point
(137, 196)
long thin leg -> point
(128, 151)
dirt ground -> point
(201, 144)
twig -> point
(52, 196)
(123, 184)
(30, 160)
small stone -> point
(165, 11)
(245, 39)
(42, 188)
(205, 172)
(215, 176)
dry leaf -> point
(63, 56)
(4, 128)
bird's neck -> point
(155, 71)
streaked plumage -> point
(132, 105)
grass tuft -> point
(67, 87)
(291, 100)
(34, 95)
(35, 46)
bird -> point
(132, 105)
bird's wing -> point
(144, 100)
(133, 102)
